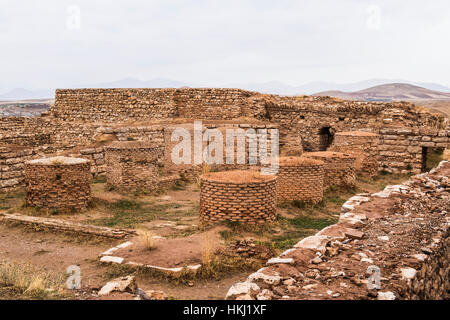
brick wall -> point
(247, 202)
(339, 168)
(58, 183)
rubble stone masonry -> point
(244, 196)
(363, 145)
(339, 168)
(12, 166)
(398, 237)
(58, 183)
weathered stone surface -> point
(123, 284)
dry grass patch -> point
(24, 281)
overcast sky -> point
(62, 43)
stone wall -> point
(339, 168)
(300, 179)
(110, 105)
(58, 183)
(362, 145)
(405, 149)
(133, 166)
(12, 161)
(389, 245)
(237, 196)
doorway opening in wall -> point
(431, 157)
(325, 138)
(424, 159)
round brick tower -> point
(301, 179)
(244, 196)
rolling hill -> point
(390, 91)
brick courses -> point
(248, 200)
(58, 183)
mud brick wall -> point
(133, 166)
(245, 202)
(339, 168)
(404, 149)
(301, 181)
(363, 145)
(12, 166)
(58, 183)
(402, 231)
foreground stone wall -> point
(249, 201)
(58, 183)
(402, 231)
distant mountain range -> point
(391, 91)
(274, 87)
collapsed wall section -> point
(389, 245)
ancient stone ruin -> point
(83, 122)
(58, 183)
(401, 233)
(129, 136)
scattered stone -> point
(354, 234)
(123, 284)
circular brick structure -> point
(244, 196)
(339, 168)
(363, 145)
(301, 179)
(133, 165)
(58, 183)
